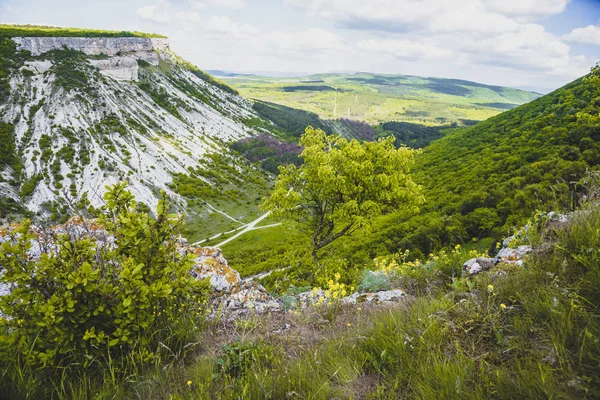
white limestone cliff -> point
(92, 46)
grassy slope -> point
(377, 98)
(51, 31)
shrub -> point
(239, 357)
(101, 294)
(374, 282)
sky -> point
(540, 44)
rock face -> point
(211, 264)
(91, 46)
(120, 68)
(173, 120)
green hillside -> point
(486, 180)
(378, 98)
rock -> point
(211, 264)
(477, 265)
(248, 297)
(92, 46)
(120, 68)
(379, 297)
(514, 256)
(39, 67)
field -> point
(381, 98)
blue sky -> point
(535, 43)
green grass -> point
(7, 30)
(381, 98)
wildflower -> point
(315, 290)
(457, 247)
(189, 383)
(358, 308)
(490, 288)
(337, 276)
(503, 306)
(349, 324)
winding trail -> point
(242, 229)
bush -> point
(374, 282)
(98, 295)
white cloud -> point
(314, 39)
(232, 30)
(234, 4)
(589, 35)
(433, 15)
(158, 12)
(527, 7)
(189, 16)
(403, 48)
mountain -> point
(80, 113)
(376, 98)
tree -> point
(342, 185)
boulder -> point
(249, 297)
(476, 265)
(509, 255)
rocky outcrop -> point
(92, 46)
(211, 265)
(120, 68)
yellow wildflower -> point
(189, 383)
(490, 288)
(349, 324)
(503, 306)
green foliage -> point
(71, 70)
(8, 155)
(161, 97)
(7, 30)
(411, 135)
(342, 185)
(239, 358)
(374, 282)
(292, 122)
(10, 60)
(487, 180)
(213, 81)
(269, 151)
(86, 304)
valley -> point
(377, 98)
(167, 233)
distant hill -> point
(375, 98)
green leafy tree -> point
(342, 185)
(115, 288)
